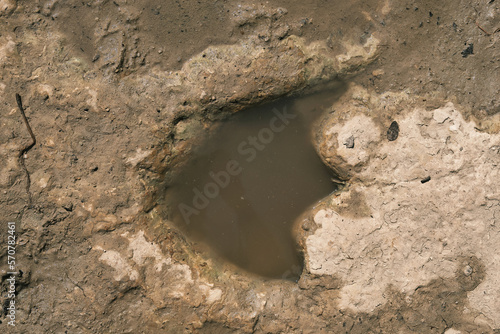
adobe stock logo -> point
(248, 149)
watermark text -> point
(11, 281)
(247, 149)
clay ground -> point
(118, 92)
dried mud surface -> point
(119, 92)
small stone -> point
(349, 143)
(393, 131)
(469, 50)
(468, 270)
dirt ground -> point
(119, 92)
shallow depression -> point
(243, 190)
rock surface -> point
(421, 208)
(119, 92)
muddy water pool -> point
(244, 188)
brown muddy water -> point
(243, 190)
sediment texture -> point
(114, 113)
(421, 208)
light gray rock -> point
(388, 228)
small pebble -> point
(393, 131)
(468, 270)
(349, 143)
(469, 50)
